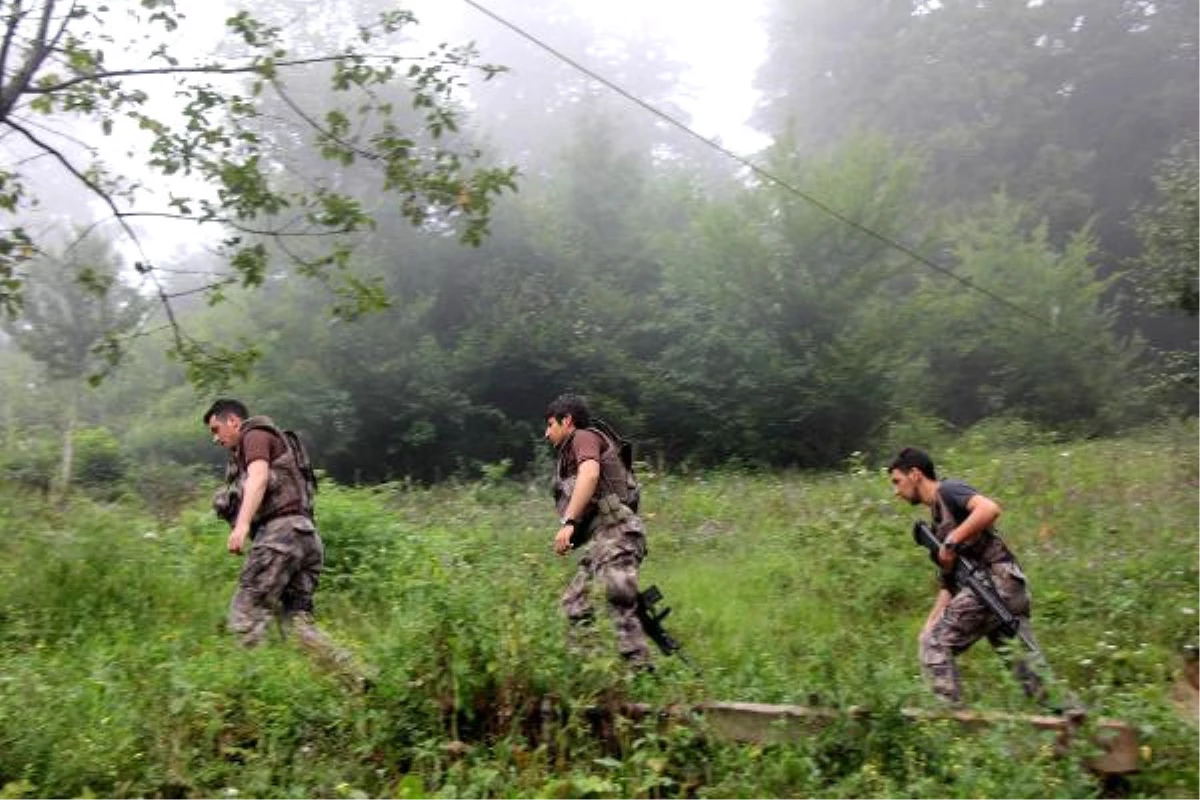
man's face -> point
(557, 430)
(904, 484)
(226, 431)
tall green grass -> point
(117, 680)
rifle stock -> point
(652, 624)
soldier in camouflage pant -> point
(964, 522)
(273, 510)
(963, 621)
(279, 578)
(613, 557)
(591, 494)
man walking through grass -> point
(268, 500)
(964, 522)
(596, 499)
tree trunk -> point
(10, 421)
(68, 446)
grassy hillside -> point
(116, 679)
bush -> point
(166, 487)
(1005, 433)
(118, 678)
(180, 439)
(99, 463)
(32, 460)
(912, 430)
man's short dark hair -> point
(572, 404)
(224, 406)
(912, 458)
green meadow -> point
(116, 678)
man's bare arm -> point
(586, 480)
(253, 491)
(984, 512)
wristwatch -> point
(569, 521)
(953, 547)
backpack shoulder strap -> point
(623, 445)
(260, 422)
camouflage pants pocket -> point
(1010, 584)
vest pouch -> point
(612, 510)
(283, 531)
(304, 525)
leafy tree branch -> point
(227, 153)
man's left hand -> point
(562, 539)
(237, 539)
(946, 557)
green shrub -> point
(32, 461)
(165, 487)
(178, 438)
(99, 463)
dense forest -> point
(967, 211)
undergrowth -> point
(116, 678)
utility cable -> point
(758, 170)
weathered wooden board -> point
(764, 723)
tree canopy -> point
(1065, 103)
(1169, 229)
(212, 142)
(970, 271)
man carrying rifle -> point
(964, 523)
(596, 498)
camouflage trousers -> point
(965, 621)
(278, 582)
(612, 559)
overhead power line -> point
(756, 169)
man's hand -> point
(946, 557)
(237, 539)
(562, 539)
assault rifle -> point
(652, 624)
(976, 578)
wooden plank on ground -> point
(765, 723)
